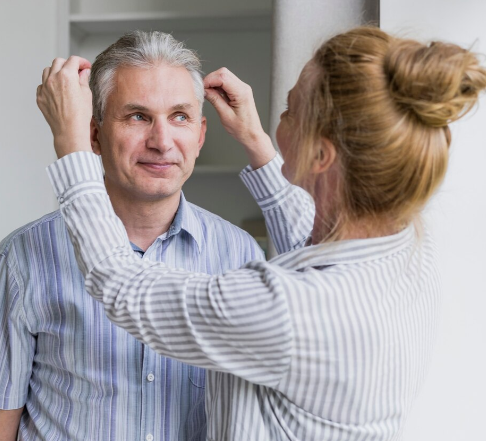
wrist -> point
(64, 144)
(260, 150)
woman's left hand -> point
(233, 100)
(65, 100)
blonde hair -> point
(385, 103)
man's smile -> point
(156, 166)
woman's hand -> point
(233, 100)
(64, 99)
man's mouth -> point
(157, 166)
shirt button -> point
(150, 377)
(149, 437)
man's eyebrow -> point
(135, 107)
(182, 106)
(140, 108)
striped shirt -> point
(79, 376)
(325, 342)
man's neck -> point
(145, 220)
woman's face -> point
(323, 175)
(288, 129)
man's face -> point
(151, 134)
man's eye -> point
(137, 117)
(181, 118)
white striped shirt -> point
(326, 342)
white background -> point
(452, 406)
(28, 36)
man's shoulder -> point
(48, 224)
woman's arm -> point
(288, 210)
(237, 323)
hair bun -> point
(438, 83)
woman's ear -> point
(325, 158)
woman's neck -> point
(332, 228)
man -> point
(67, 373)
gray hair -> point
(140, 49)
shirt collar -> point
(346, 252)
(137, 248)
(185, 219)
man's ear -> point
(94, 132)
(202, 134)
(325, 158)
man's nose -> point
(160, 136)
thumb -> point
(84, 77)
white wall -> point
(27, 33)
(453, 405)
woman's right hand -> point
(233, 100)
(64, 99)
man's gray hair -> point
(140, 49)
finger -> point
(57, 65)
(39, 90)
(213, 79)
(219, 103)
(84, 77)
(77, 63)
(222, 94)
(224, 79)
(45, 74)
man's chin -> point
(148, 194)
(158, 195)
(143, 189)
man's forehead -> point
(160, 74)
(138, 87)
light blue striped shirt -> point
(79, 376)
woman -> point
(330, 340)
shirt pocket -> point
(197, 376)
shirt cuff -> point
(12, 402)
(266, 183)
(76, 174)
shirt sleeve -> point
(288, 209)
(17, 344)
(253, 252)
(237, 322)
